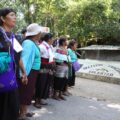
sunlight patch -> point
(116, 106)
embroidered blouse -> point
(47, 51)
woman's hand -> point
(24, 79)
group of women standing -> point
(41, 70)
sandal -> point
(30, 114)
(67, 94)
(42, 102)
(62, 98)
(56, 98)
(37, 105)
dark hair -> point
(47, 36)
(4, 12)
(55, 42)
(62, 40)
(23, 31)
(71, 43)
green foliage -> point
(90, 21)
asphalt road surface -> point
(90, 100)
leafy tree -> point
(90, 21)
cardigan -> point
(30, 56)
(72, 55)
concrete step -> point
(98, 78)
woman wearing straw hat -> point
(31, 61)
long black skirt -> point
(60, 83)
(9, 105)
(71, 79)
(44, 81)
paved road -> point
(80, 107)
(97, 89)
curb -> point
(98, 78)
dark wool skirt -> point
(59, 83)
(26, 92)
(71, 80)
(44, 81)
(9, 105)
(61, 77)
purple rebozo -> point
(8, 78)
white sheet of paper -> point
(51, 58)
(16, 45)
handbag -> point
(8, 80)
(5, 57)
(7, 74)
(4, 61)
(76, 66)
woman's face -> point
(10, 20)
(38, 36)
(50, 41)
(75, 46)
(65, 43)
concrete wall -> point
(108, 55)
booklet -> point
(16, 45)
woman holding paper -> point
(45, 77)
(62, 60)
(9, 108)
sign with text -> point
(100, 68)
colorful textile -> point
(61, 71)
(62, 56)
